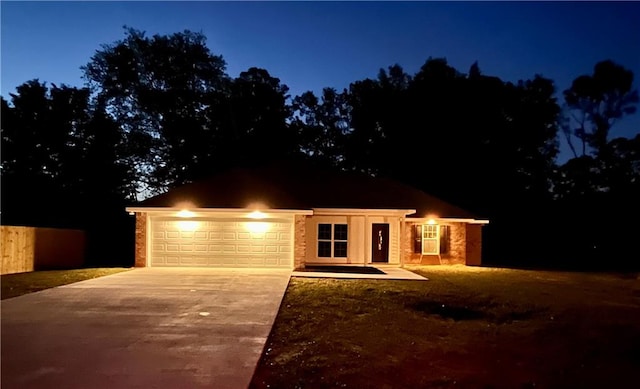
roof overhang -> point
(360, 211)
(450, 219)
(203, 212)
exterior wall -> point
(359, 240)
(299, 241)
(457, 246)
(27, 249)
(357, 231)
(312, 239)
(394, 237)
(474, 245)
(141, 240)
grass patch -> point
(14, 285)
(465, 328)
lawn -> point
(14, 285)
(464, 328)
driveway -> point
(145, 328)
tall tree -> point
(259, 130)
(322, 125)
(57, 156)
(165, 91)
(594, 102)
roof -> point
(300, 186)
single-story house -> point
(292, 216)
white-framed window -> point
(332, 240)
(431, 232)
(430, 239)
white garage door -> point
(221, 242)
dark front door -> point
(380, 242)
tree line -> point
(160, 111)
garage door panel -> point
(220, 242)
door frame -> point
(387, 231)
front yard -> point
(465, 328)
(14, 285)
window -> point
(430, 239)
(332, 240)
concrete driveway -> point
(145, 328)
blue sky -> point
(311, 45)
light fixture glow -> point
(184, 225)
(185, 213)
(431, 221)
(257, 227)
(257, 215)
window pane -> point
(429, 247)
(324, 249)
(340, 249)
(340, 232)
(324, 231)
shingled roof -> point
(303, 187)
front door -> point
(380, 242)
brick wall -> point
(300, 243)
(474, 245)
(457, 246)
(141, 240)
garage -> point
(221, 242)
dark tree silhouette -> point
(322, 125)
(595, 102)
(259, 131)
(165, 92)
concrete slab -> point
(146, 328)
(391, 273)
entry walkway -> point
(390, 273)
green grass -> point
(464, 328)
(14, 285)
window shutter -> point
(444, 239)
(417, 238)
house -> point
(292, 216)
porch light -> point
(257, 215)
(431, 221)
(185, 213)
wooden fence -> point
(33, 248)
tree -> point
(595, 102)
(322, 125)
(58, 156)
(259, 130)
(166, 92)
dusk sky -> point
(311, 45)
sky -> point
(310, 45)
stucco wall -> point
(141, 240)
